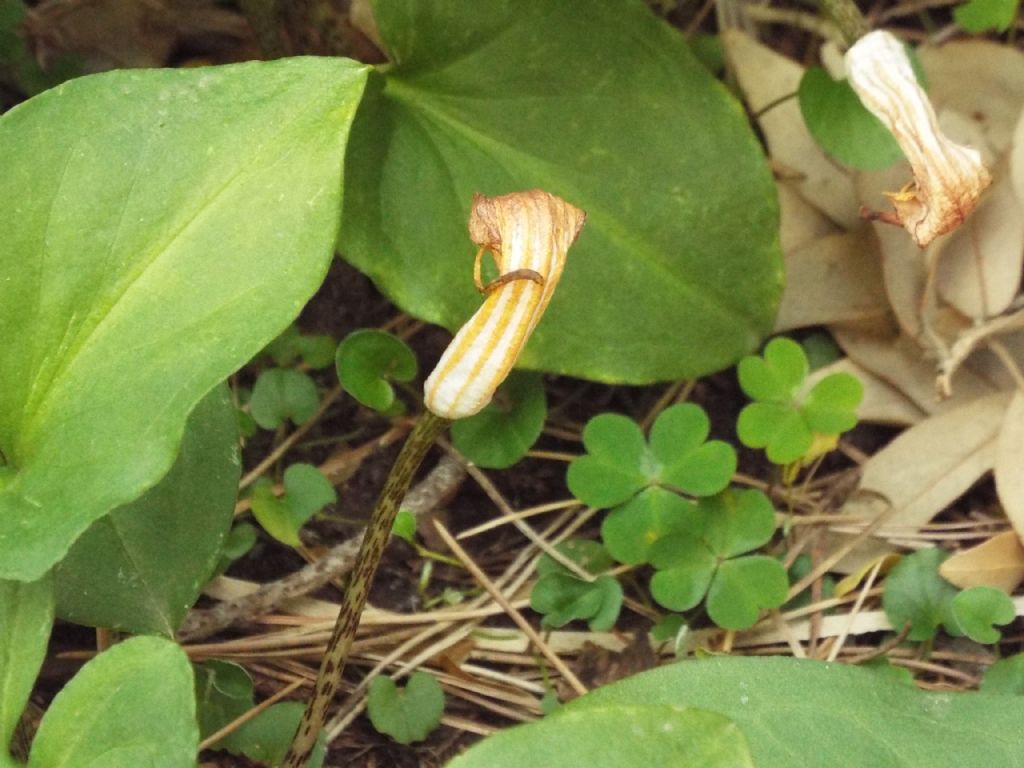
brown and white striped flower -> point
(948, 177)
(529, 234)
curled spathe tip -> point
(948, 177)
(529, 235)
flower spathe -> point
(948, 177)
(529, 234)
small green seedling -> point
(561, 596)
(1005, 676)
(368, 361)
(315, 351)
(306, 492)
(916, 593)
(842, 126)
(502, 433)
(987, 15)
(711, 560)
(282, 394)
(224, 692)
(976, 612)
(240, 539)
(788, 423)
(405, 714)
(405, 526)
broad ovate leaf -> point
(795, 712)
(26, 616)
(133, 705)
(140, 568)
(159, 229)
(678, 270)
(615, 735)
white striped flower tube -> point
(948, 177)
(529, 234)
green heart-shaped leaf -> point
(632, 528)
(613, 469)
(677, 271)
(502, 433)
(842, 125)
(407, 714)
(368, 361)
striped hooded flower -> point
(948, 177)
(528, 234)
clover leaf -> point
(306, 492)
(280, 394)
(561, 596)
(787, 423)
(405, 714)
(709, 561)
(619, 463)
(629, 530)
(502, 433)
(974, 611)
(368, 361)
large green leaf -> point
(614, 735)
(26, 615)
(132, 706)
(810, 713)
(677, 271)
(159, 228)
(140, 568)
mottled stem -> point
(375, 539)
(848, 18)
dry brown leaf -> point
(899, 361)
(769, 82)
(1009, 467)
(980, 80)
(799, 221)
(1017, 158)
(107, 34)
(930, 465)
(833, 280)
(979, 265)
(998, 562)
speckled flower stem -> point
(847, 17)
(378, 531)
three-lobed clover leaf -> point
(787, 423)
(281, 394)
(711, 561)
(619, 463)
(306, 492)
(368, 361)
(562, 596)
(405, 714)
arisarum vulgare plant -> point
(948, 177)
(529, 234)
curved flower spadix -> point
(948, 177)
(529, 234)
